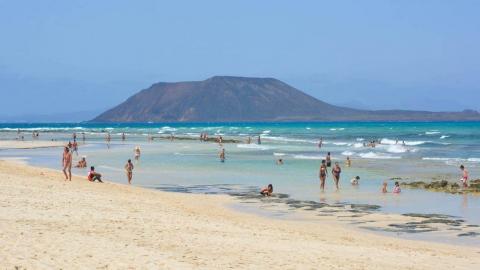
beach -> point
(48, 223)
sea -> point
(406, 151)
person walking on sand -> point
(129, 171)
(137, 153)
(336, 171)
(67, 163)
(323, 174)
(464, 176)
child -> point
(396, 189)
(355, 180)
(267, 191)
(464, 176)
(384, 187)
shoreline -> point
(119, 222)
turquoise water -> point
(431, 151)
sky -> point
(83, 57)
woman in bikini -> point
(323, 174)
(67, 164)
(336, 174)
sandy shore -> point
(13, 144)
(47, 223)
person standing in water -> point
(348, 163)
(320, 143)
(83, 137)
(336, 171)
(464, 176)
(329, 160)
(123, 136)
(259, 141)
(323, 174)
(129, 171)
(67, 164)
(137, 153)
(222, 155)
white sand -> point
(29, 144)
(47, 223)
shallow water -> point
(431, 151)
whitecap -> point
(444, 137)
(373, 155)
(308, 157)
(253, 146)
(348, 153)
(279, 154)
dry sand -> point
(47, 223)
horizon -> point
(65, 60)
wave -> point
(308, 157)
(279, 154)
(433, 132)
(340, 143)
(409, 143)
(373, 155)
(358, 145)
(348, 153)
(475, 160)
(444, 137)
(254, 146)
(285, 139)
(396, 149)
(360, 139)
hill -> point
(242, 99)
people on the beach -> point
(396, 189)
(82, 163)
(355, 181)
(464, 178)
(336, 171)
(75, 147)
(67, 163)
(384, 187)
(323, 174)
(279, 161)
(320, 143)
(129, 170)
(249, 140)
(259, 140)
(267, 191)
(222, 155)
(328, 159)
(137, 152)
(94, 176)
(123, 136)
(83, 137)
(348, 163)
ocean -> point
(424, 152)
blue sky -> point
(69, 56)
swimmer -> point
(267, 191)
(397, 189)
(336, 171)
(129, 171)
(355, 181)
(67, 163)
(464, 178)
(323, 174)
(320, 143)
(280, 161)
(123, 136)
(384, 187)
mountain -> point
(242, 99)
